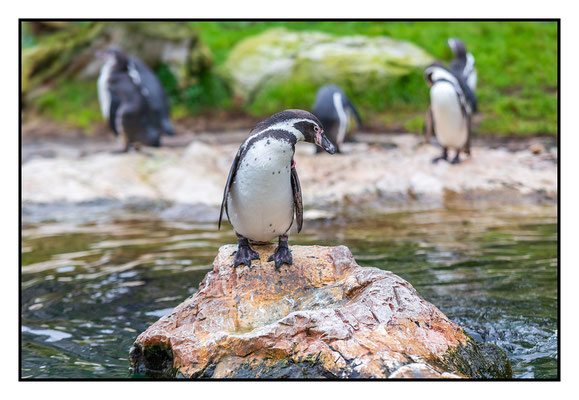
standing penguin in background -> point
(462, 66)
(263, 190)
(449, 109)
(465, 76)
(133, 100)
(332, 107)
(463, 63)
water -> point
(91, 285)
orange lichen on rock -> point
(323, 316)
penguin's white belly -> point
(449, 123)
(342, 116)
(260, 202)
(103, 89)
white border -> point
(288, 9)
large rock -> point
(324, 316)
(279, 55)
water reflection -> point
(89, 288)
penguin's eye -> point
(317, 129)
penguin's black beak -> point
(323, 141)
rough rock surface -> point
(399, 170)
(324, 316)
(280, 55)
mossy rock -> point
(479, 360)
(68, 54)
(311, 59)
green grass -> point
(516, 63)
(74, 103)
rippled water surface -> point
(90, 286)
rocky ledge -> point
(395, 168)
(323, 317)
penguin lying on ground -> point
(332, 107)
(133, 100)
(263, 190)
(450, 111)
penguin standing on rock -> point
(132, 100)
(450, 111)
(263, 190)
(332, 107)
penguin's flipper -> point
(350, 105)
(297, 191)
(467, 116)
(153, 92)
(230, 178)
(468, 93)
(470, 96)
(114, 108)
(466, 147)
(429, 125)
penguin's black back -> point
(133, 115)
(155, 95)
(457, 66)
(459, 62)
(324, 107)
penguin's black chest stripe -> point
(268, 136)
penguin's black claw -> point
(281, 256)
(455, 161)
(245, 255)
(437, 159)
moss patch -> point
(477, 360)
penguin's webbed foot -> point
(456, 159)
(444, 156)
(282, 255)
(244, 255)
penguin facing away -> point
(332, 107)
(463, 63)
(132, 100)
(155, 94)
(262, 191)
(449, 109)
